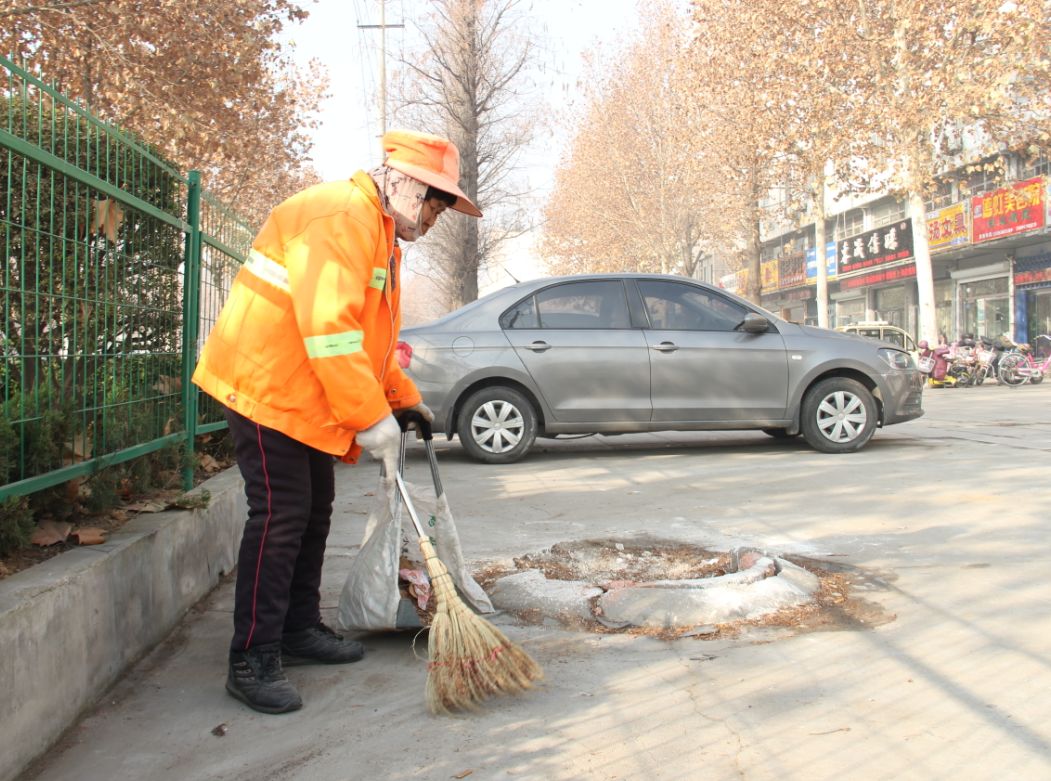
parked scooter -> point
(988, 352)
(934, 362)
(963, 362)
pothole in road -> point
(669, 589)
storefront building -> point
(990, 262)
(1032, 294)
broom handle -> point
(424, 427)
(404, 492)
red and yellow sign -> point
(768, 276)
(1009, 211)
(947, 227)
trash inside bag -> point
(387, 586)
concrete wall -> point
(70, 626)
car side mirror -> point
(754, 323)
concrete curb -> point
(70, 626)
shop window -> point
(850, 223)
(1038, 166)
(890, 306)
(943, 309)
(886, 212)
(941, 197)
(852, 310)
(984, 307)
(983, 180)
(1038, 317)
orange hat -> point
(431, 160)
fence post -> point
(191, 294)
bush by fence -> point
(102, 304)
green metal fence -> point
(114, 267)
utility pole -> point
(382, 27)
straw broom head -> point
(470, 659)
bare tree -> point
(627, 193)
(470, 82)
(208, 82)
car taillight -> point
(403, 352)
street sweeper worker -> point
(302, 357)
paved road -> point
(943, 521)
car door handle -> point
(538, 346)
(665, 347)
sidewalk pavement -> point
(942, 522)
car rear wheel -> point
(839, 416)
(497, 425)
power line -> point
(382, 27)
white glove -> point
(382, 440)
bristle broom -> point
(470, 659)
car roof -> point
(511, 293)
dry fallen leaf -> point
(219, 730)
(89, 536)
(50, 533)
(107, 218)
(463, 774)
(208, 464)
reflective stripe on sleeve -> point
(330, 345)
(268, 270)
(379, 278)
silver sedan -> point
(641, 352)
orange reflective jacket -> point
(305, 342)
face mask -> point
(402, 198)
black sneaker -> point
(257, 680)
(319, 645)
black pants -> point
(290, 487)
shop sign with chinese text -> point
(879, 277)
(888, 244)
(735, 282)
(791, 269)
(1009, 211)
(948, 227)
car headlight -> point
(896, 359)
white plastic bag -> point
(371, 599)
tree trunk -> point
(753, 246)
(924, 273)
(820, 241)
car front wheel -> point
(839, 416)
(497, 425)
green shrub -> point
(16, 524)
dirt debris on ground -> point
(613, 564)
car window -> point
(521, 315)
(674, 306)
(894, 337)
(600, 304)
